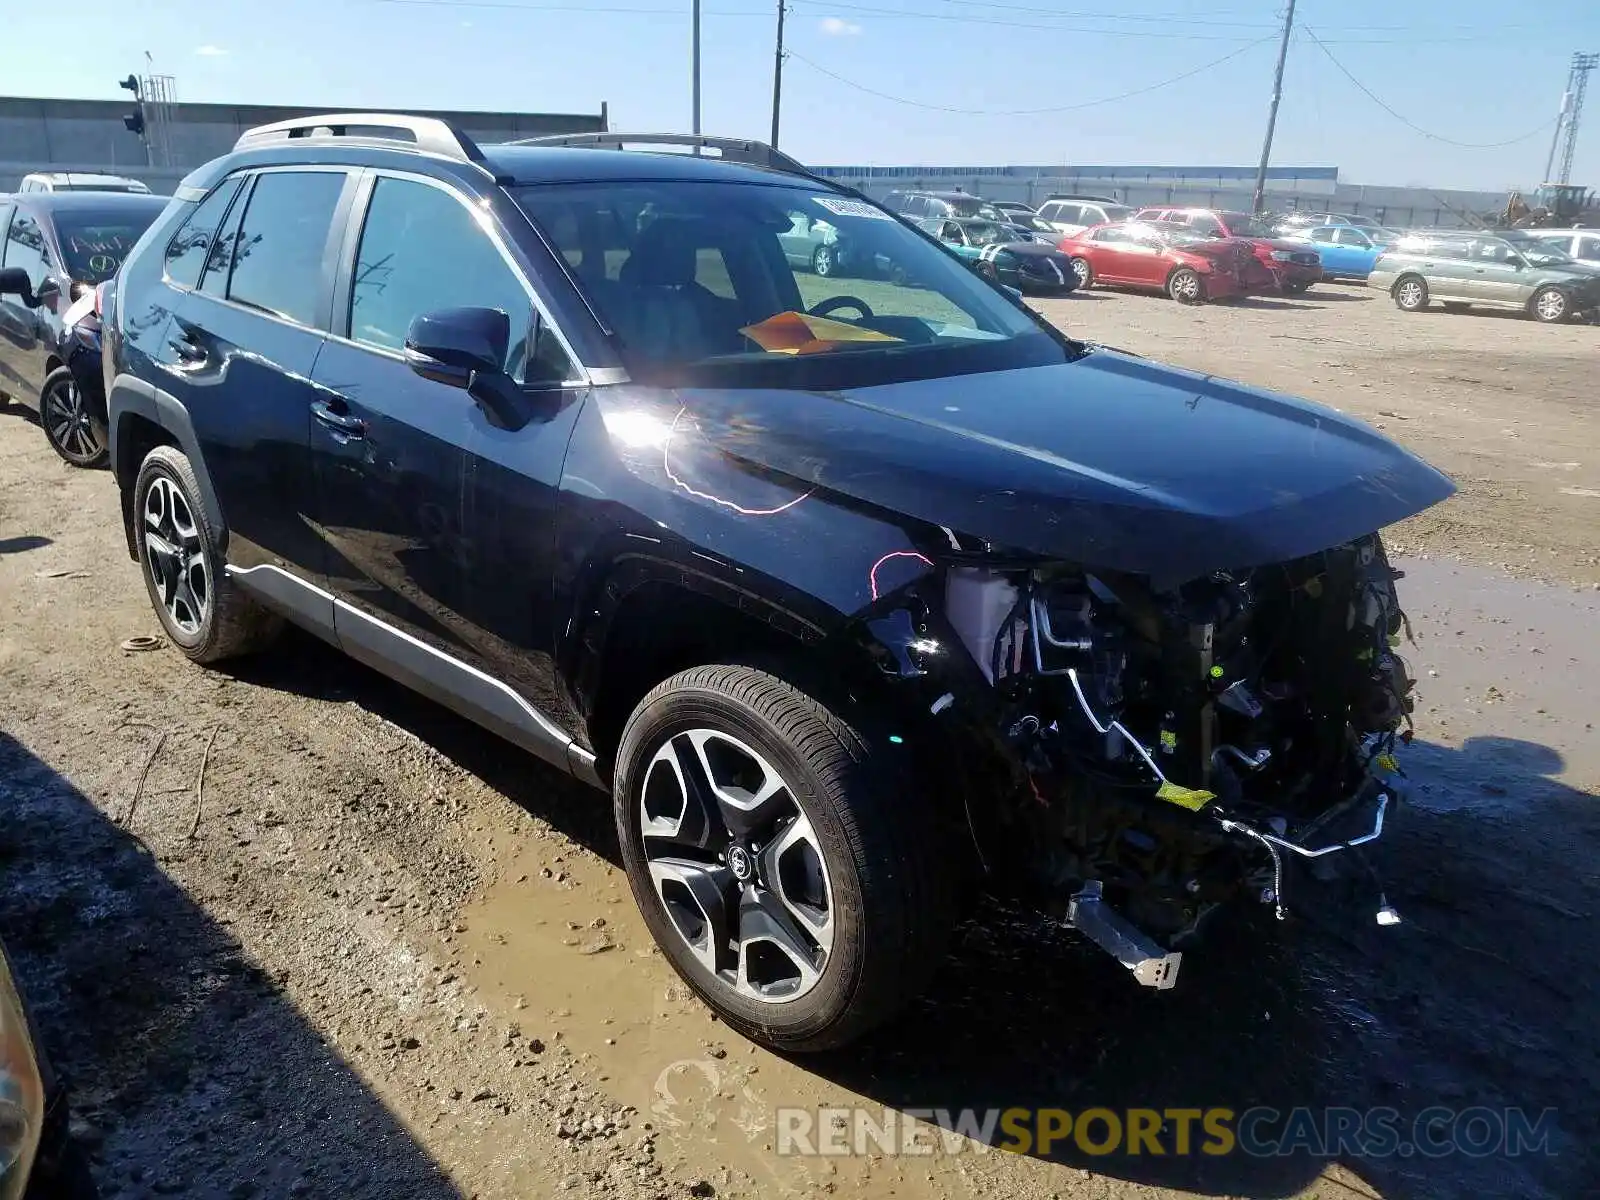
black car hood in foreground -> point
(1109, 461)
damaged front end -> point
(1141, 757)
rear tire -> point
(1410, 293)
(824, 261)
(201, 609)
(1185, 286)
(837, 827)
(69, 426)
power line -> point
(1406, 121)
(506, 5)
(1028, 112)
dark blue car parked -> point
(848, 591)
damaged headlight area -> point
(1150, 755)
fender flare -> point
(131, 396)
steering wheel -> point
(823, 307)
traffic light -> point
(134, 121)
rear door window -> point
(1587, 247)
(191, 245)
(276, 260)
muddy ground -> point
(295, 932)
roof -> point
(572, 164)
(79, 177)
(90, 201)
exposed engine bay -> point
(1174, 751)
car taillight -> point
(78, 290)
(100, 300)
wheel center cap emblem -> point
(740, 864)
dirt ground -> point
(296, 932)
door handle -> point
(342, 423)
(186, 349)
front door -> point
(22, 327)
(1498, 275)
(440, 524)
(243, 345)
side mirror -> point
(452, 345)
(14, 281)
(49, 292)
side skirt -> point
(423, 668)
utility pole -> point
(1259, 204)
(696, 70)
(777, 78)
(1572, 110)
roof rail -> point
(740, 150)
(432, 134)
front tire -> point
(1084, 272)
(1411, 294)
(69, 426)
(824, 261)
(204, 612)
(1185, 286)
(1296, 289)
(780, 865)
(1550, 306)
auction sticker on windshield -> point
(852, 208)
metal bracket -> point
(1103, 925)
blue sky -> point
(1463, 70)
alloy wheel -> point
(1080, 268)
(1551, 305)
(737, 866)
(1410, 294)
(1186, 287)
(822, 261)
(66, 423)
(175, 556)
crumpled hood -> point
(1111, 461)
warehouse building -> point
(90, 135)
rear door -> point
(244, 344)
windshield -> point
(987, 233)
(1245, 225)
(95, 243)
(719, 283)
(1542, 253)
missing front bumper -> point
(1090, 914)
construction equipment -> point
(1554, 205)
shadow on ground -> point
(161, 1023)
(1483, 997)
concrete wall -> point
(88, 135)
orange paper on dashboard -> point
(801, 333)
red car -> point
(1287, 266)
(1185, 266)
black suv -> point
(849, 599)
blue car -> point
(1347, 252)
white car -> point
(79, 181)
(1581, 244)
(1074, 216)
